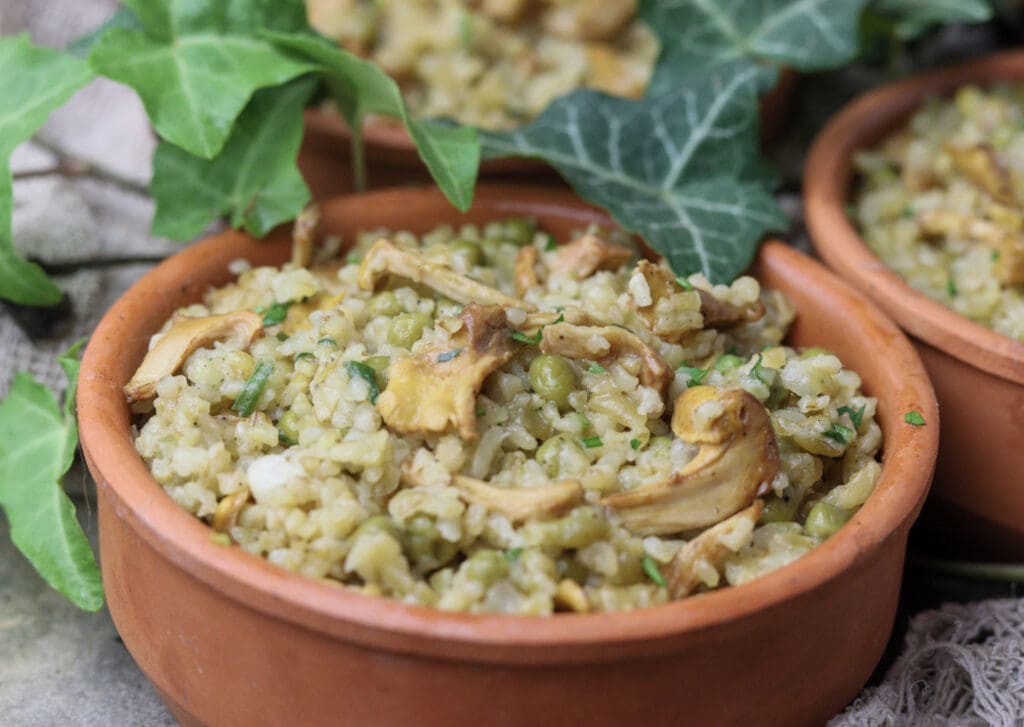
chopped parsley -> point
(914, 418)
(367, 374)
(274, 313)
(328, 340)
(448, 355)
(951, 289)
(856, 415)
(512, 554)
(284, 440)
(758, 371)
(253, 388)
(282, 336)
(652, 570)
(727, 361)
(596, 368)
(683, 283)
(695, 375)
(839, 433)
(634, 443)
(591, 442)
(303, 354)
(550, 244)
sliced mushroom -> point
(605, 344)
(1009, 244)
(570, 596)
(710, 549)
(304, 236)
(185, 336)
(507, 11)
(588, 19)
(435, 390)
(384, 258)
(979, 165)
(588, 254)
(228, 509)
(737, 461)
(720, 314)
(525, 271)
(521, 503)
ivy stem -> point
(69, 166)
(1006, 572)
(358, 156)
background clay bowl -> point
(326, 163)
(229, 639)
(977, 505)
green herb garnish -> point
(512, 554)
(222, 539)
(758, 371)
(466, 30)
(303, 354)
(914, 418)
(328, 340)
(550, 244)
(839, 433)
(908, 212)
(856, 415)
(353, 259)
(634, 443)
(995, 256)
(448, 355)
(694, 375)
(595, 368)
(652, 570)
(523, 338)
(479, 411)
(274, 313)
(284, 440)
(282, 336)
(683, 283)
(951, 289)
(727, 361)
(591, 442)
(367, 374)
(253, 388)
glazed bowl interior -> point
(829, 180)
(838, 318)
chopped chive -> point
(303, 354)
(652, 570)
(856, 415)
(914, 418)
(839, 433)
(367, 374)
(683, 283)
(727, 361)
(448, 355)
(951, 290)
(596, 368)
(758, 371)
(353, 259)
(282, 336)
(634, 443)
(253, 388)
(512, 554)
(560, 319)
(694, 375)
(550, 244)
(523, 338)
(328, 339)
(995, 255)
(591, 442)
(466, 30)
(285, 440)
(908, 212)
(275, 313)
(220, 539)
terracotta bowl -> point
(326, 162)
(228, 639)
(977, 505)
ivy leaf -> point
(33, 82)
(680, 169)
(37, 445)
(195, 65)
(82, 46)
(254, 178)
(699, 35)
(451, 153)
(911, 18)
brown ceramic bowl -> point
(326, 162)
(229, 639)
(977, 505)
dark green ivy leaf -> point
(909, 19)
(680, 169)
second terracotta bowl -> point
(977, 505)
(229, 639)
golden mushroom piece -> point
(979, 165)
(737, 461)
(435, 390)
(588, 254)
(519, 504)
(385, 258)
(184, 337)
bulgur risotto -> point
(494, 63)
(480, 419)
(940, 202)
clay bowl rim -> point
(380, 623)
(828, 182)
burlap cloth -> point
(960, 664)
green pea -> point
(407, 328)
(728, 361)
(490, 248)
(424, 546)
(578, 529)
(381, 524)
(554, 378)
(550, 454)
(470, 251)
(379, 364)
(487, 566)
(289, 425)
(383, 304)
(780, 509)
(824, 520)
(519, 230)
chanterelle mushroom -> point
(435, 390)
(709, 550)
(605, 344)
(185, 336)
(588, 254)
(385, 258)
(737, 461)
(979, 165)
(521, 503)
(1009, 265)
(671, 312)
